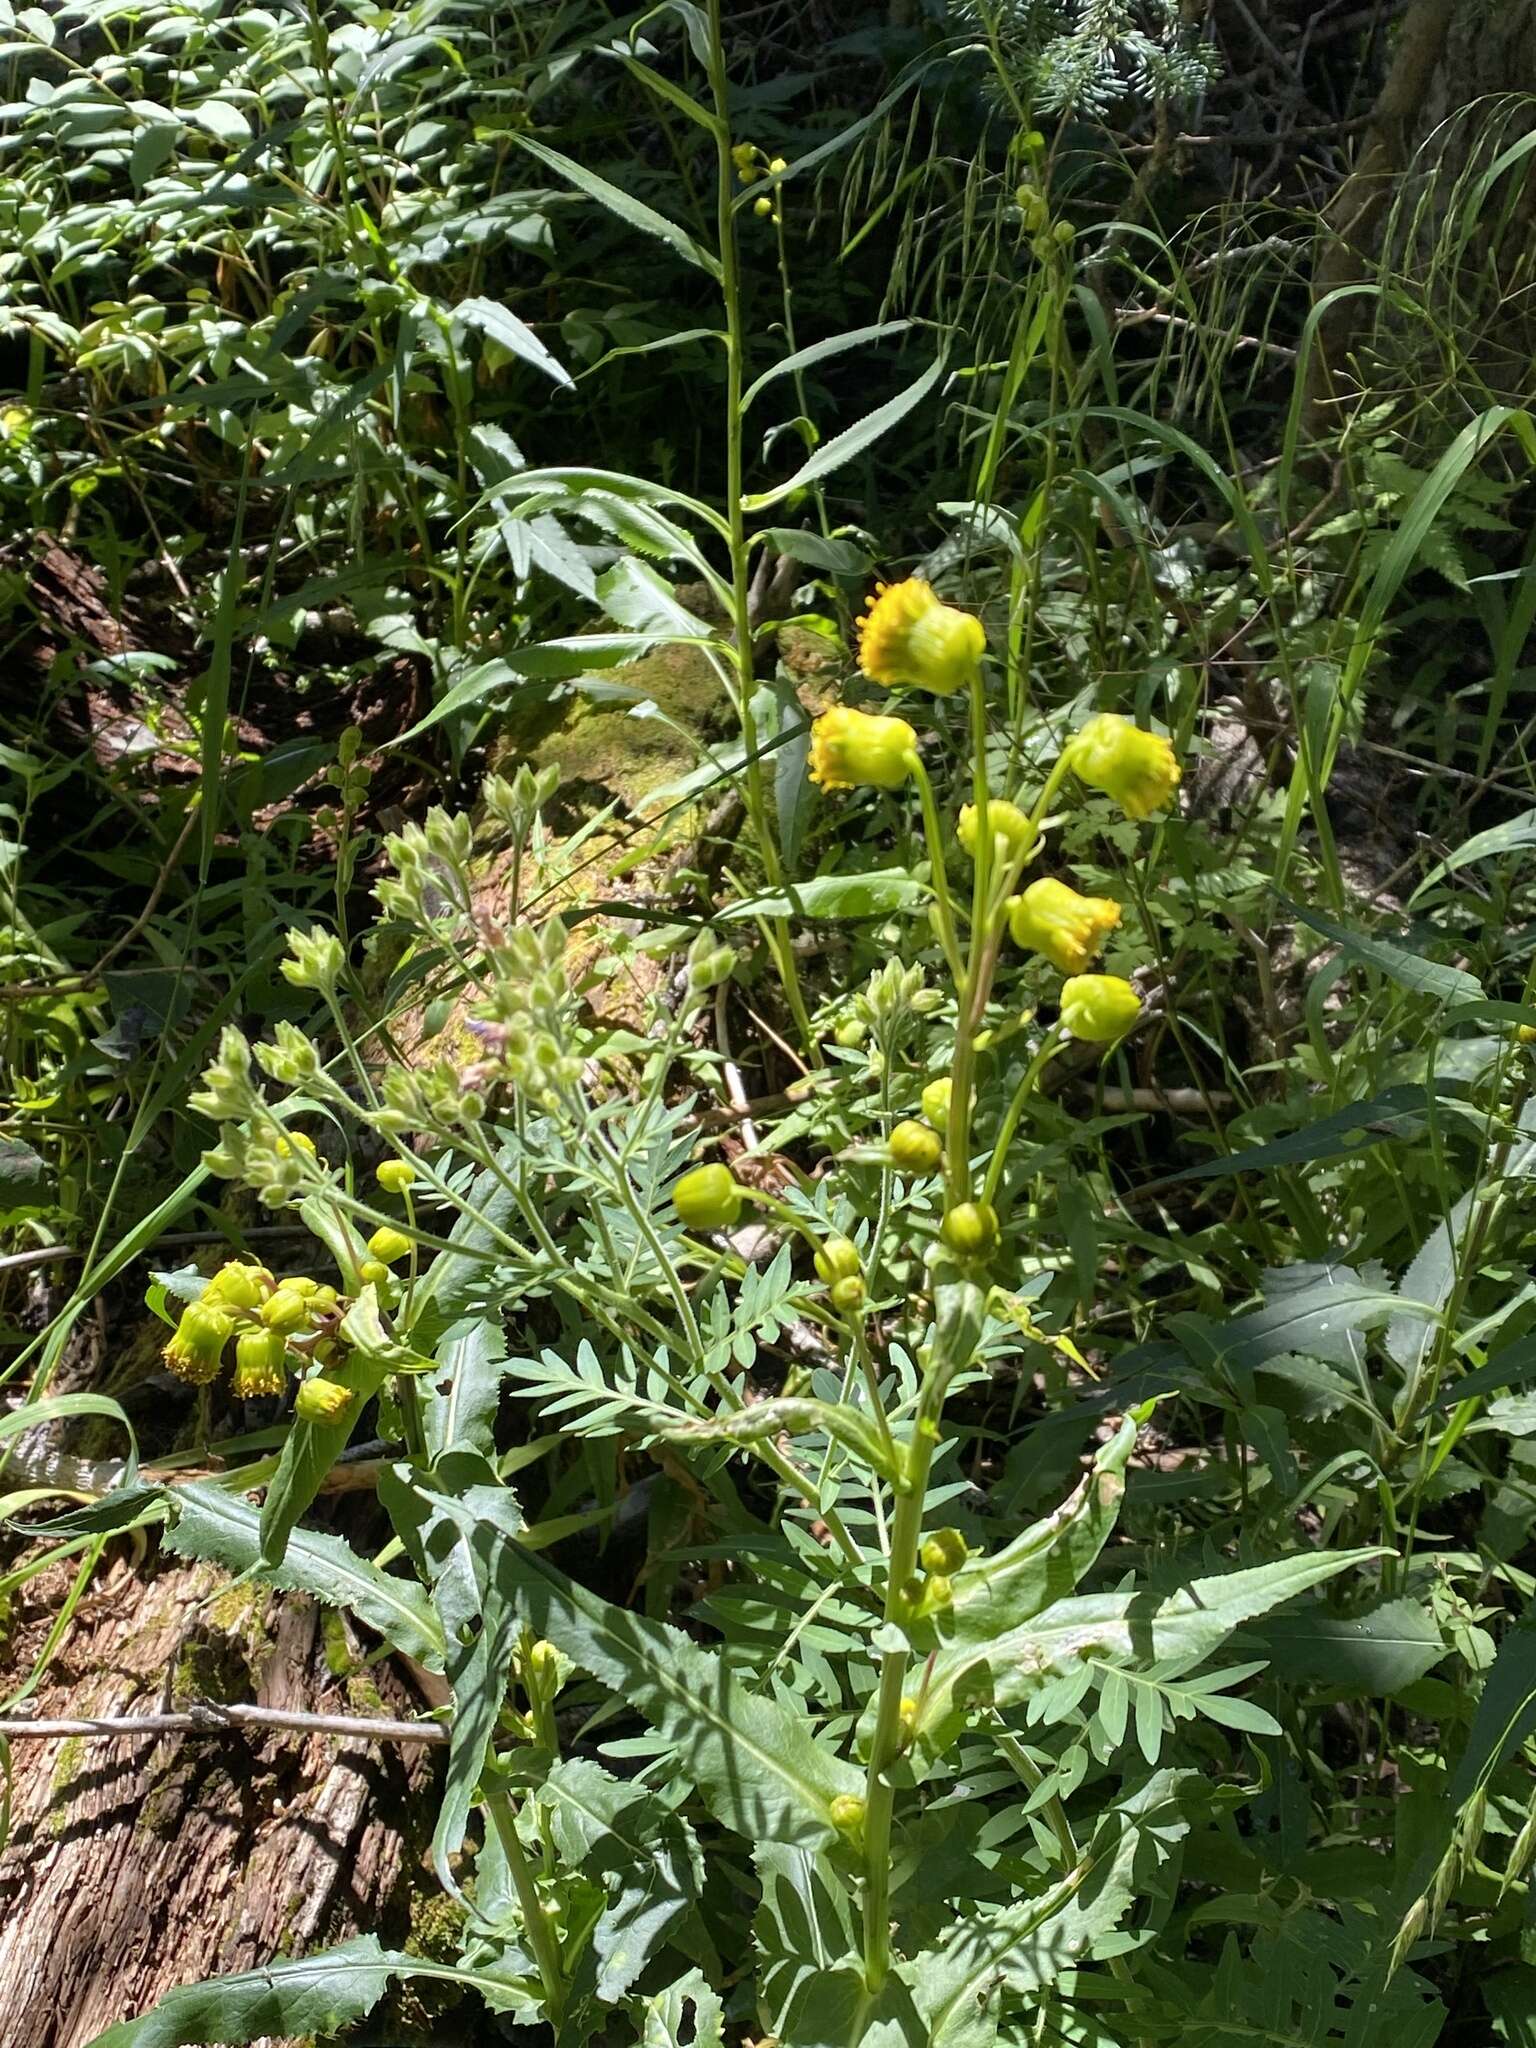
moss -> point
(65, 1770)
(437, 1927)
(339, 1660)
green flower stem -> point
(541, 1936)
(933, 833)
(1050, 1045)
(741, 598)
(885, 1746)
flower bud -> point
(323, 1301)
(936, 1103)
(1005, 821)
(196, 1351)
(778, 165)
(849, 1032)
(238, 1286)
(708, 964)
(395, 1176)
(323, 1401)
(287, 1310)
(848, 1296)
(260, 1357)
(944, 1551)
(763, 207)
(1136, 768)
(847, 1813)
(971, 1229)
(838, 1259)
(908, 636)
(908, 1717)
(858, 750)
(389, 1245)
(1068, 929)
(914, 1148)
(708, 1198)
(1098, 1007)
(373, 1273)
(318, 960)
(544, 1663)
(939, 1592)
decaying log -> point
(134, 1865)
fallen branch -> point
(207, 1719)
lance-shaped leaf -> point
(206, 1522)
(314, 1996)
(995, 1594)
(459, 1524)
(1135, 1628)
(757, 1764)
(629, 209)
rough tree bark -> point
(134, 1866)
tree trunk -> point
(1436, 215)
(136, 1865)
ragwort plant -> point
(524, 1184)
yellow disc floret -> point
(857, 750)
(1068, 929)
(196, 1351)
(909, 636)
(1136, 768)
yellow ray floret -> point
(907, 636)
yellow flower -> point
(260, 1356)
(1068, 929)
(389, 1246)
(322, 1401)
(908, 636)
(196, 1351)
(1099, 1007)
(936, 1102)
(1136, 768)
(855, 749)
(1005, 821)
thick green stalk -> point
(741, 596)
(541, 1936)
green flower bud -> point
(914, 1148)
(322, 1401)
(318, 960)
(936, 1103)
(944, 1551)
(260, 1359)
(389, 1245)
(287, 1310)
(396, 1175)
(849, 1032)
(708, 1198)
(848, 1296)
(847, 1812)
(373, 1273)
(938, 1592)
(838, 1259)
(196, 1351)
(971, 1229)
(238, 1286)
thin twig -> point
(207, 1719)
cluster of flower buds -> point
(515, 805)
(527, 1022)
(277, 1328)
(278, 1166)
(430, 883)
(839, 1264)
(753, 163)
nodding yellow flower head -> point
(1068, 929)
(196, 1351)
(322, 1401)
(1005, 821)
(1099, 1007)
(260, 1362)
(1136, 768)
(908, 636)
(856, 750)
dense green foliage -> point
(1050, 1564)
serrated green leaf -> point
(460, 1396)
(314, 1996)
(1133, 1628)
(757, 1764)
(206, 1522)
